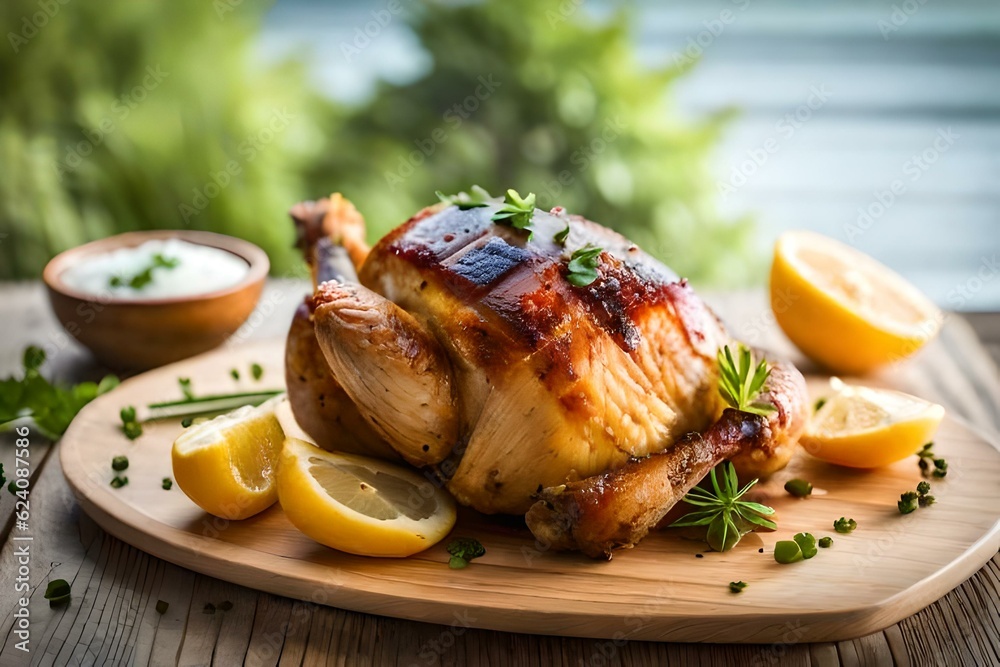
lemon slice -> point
(861, 427)
(227, 465)
(842, 308)
(359, 505)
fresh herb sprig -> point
(144, 277)
(475, 198)
(49, 405)
(727, 516)
(582, 267)
(517, 211)
(741, 382)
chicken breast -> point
(468, 350)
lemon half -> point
(862, 427)
(227, 465)
(842, 308)
(360, 505)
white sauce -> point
(200, 269)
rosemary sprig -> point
(741, 383)
(728, 518)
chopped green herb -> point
(741, 384)
(119, 463)
(844, 525)
(787, 551)
(563, 234)
(907, 502)
(236, 374)
(582, 266)
(476, 198)
(940, 468)
(167, 484)
(923, 488)
(3, 477)
(162, 607)
(187, 421)
(516, 211)
(926, 501)
(825, 542)
(463, 550)
(728, 518)
(807, 543)
(50, 406)
(799, 488)
(257, 371)
(144, 277)
(736, 586)
(12, 487)
(127, 414)
(57, 592)
(119, 481)
(820, 403)
(132, 430)
(927, 459)
(186, 389)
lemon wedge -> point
(861, 427)
(842, 308)
(227, 465)
(359, 505)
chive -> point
(270, 393)
(799, 488)
(787, 551)
(257, 371)
(167, 484)
(843, 525)
(235, 373)
(132, 430)
(119, 482)
(127, 414)
(807, 543)
(119, 463)
(819, 404)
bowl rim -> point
(253, 255)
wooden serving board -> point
(889, 568)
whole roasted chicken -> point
(461, 345)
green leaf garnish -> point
(475, 198)
(49, 405)
(144, 277)
(582, 267)
(741, 383)
(463, 550)
(728, 518)
(563, 234)
(736, 586)
(516, 211)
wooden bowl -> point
(138, 334)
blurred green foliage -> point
(530, 94)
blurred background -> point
(700, 129)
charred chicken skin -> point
(462, 347)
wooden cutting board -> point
(889, 568)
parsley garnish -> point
(50, 406)
(463, 550)
(476, 198)
(741, 384)
(582, 267)
(144, 277)
(516, 211)
(728, 518)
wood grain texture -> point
(281, 626)
(890, 568)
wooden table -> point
(112, 617)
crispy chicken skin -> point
(618, 508)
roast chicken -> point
(458, 345)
